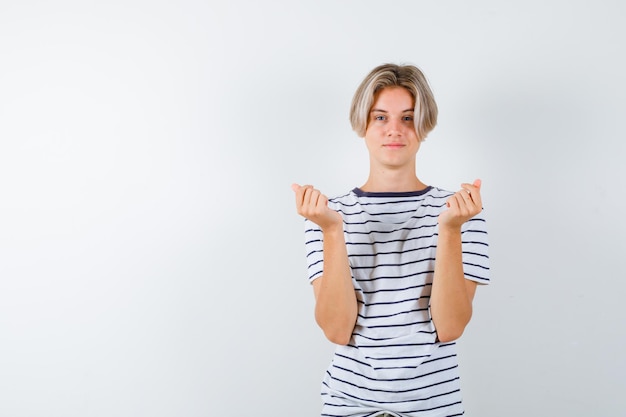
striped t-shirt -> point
(393, 362)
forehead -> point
(393, 98)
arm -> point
(335, 299)
(452, 295)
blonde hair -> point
(392, 75)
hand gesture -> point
(462, 206)
(313, 205)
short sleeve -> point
(475, 248)
(314, 247)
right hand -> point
(313, 205)
(462, 206)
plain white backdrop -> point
(151, 260)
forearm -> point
(336, 305)
(450, 302)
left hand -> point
(462, 206)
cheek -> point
(374, 130)
(370, 142)
(409, 127)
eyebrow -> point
(385, 111)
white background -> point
(151, 260)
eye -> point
(379, 117)
(407, 118)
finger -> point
(473, 190)
(464, 202)
(300, 195)
(471, 198)
(478, 199)
(452, 202)
(306, 195)
(311, 197)
(322, 202)
(464, 199)
(295, 187)
(473, 186)
(469, 188)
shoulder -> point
(437, 192)
(344, 200)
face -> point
(390, 136)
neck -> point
(392, 181)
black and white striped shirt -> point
(393, 362)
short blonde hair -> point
(392, 75)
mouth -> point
(393, 145)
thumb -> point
(477, 183)
(295, 187)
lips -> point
(393, 145)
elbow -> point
(451, 332)
(337, 334)
(338, 338)
(451, 327)
(449, 335)
(335, 331)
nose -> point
(394, 127)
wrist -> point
(333, 230)
(448, 230)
